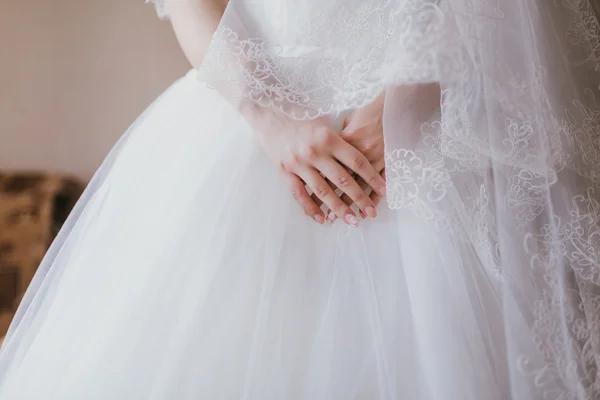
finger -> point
(346, 199)
(317, 200)
(301, 196)
(363, 185)
(376, 197)
(357, 162)
(346, 183)
(335, 190)
(323, 191)
(379, 165)
(314, 197)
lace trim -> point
(545, 153)
(551, 207)
(331, 76)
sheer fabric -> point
(487, 285)
(156, 289)
(511, 168)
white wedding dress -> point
(188, 271)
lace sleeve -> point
(161, 9)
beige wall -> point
(74, 74)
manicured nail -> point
(331, 216)
(370, 210)
(352, 220)
(382, 190)
(319, 218)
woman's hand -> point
(311, 152)
(363, 129)
(408, 107)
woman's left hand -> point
(363, 129)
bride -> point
(232, 245)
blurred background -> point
(74, 74)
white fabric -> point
(187, 271)
(511, 169)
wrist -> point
(246, 107)
(258, 117)
(369, 114)
(252, 112)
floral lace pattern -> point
(332, 74)
(416, 184)
(511, 169)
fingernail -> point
(319, 218)
(352, 220)
(331, 216)
(370, 210)
(382, 190)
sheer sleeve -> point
(161, 9)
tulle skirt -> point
(187, 271)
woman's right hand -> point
(307, 152)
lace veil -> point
(511, 168)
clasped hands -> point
(314, 160)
